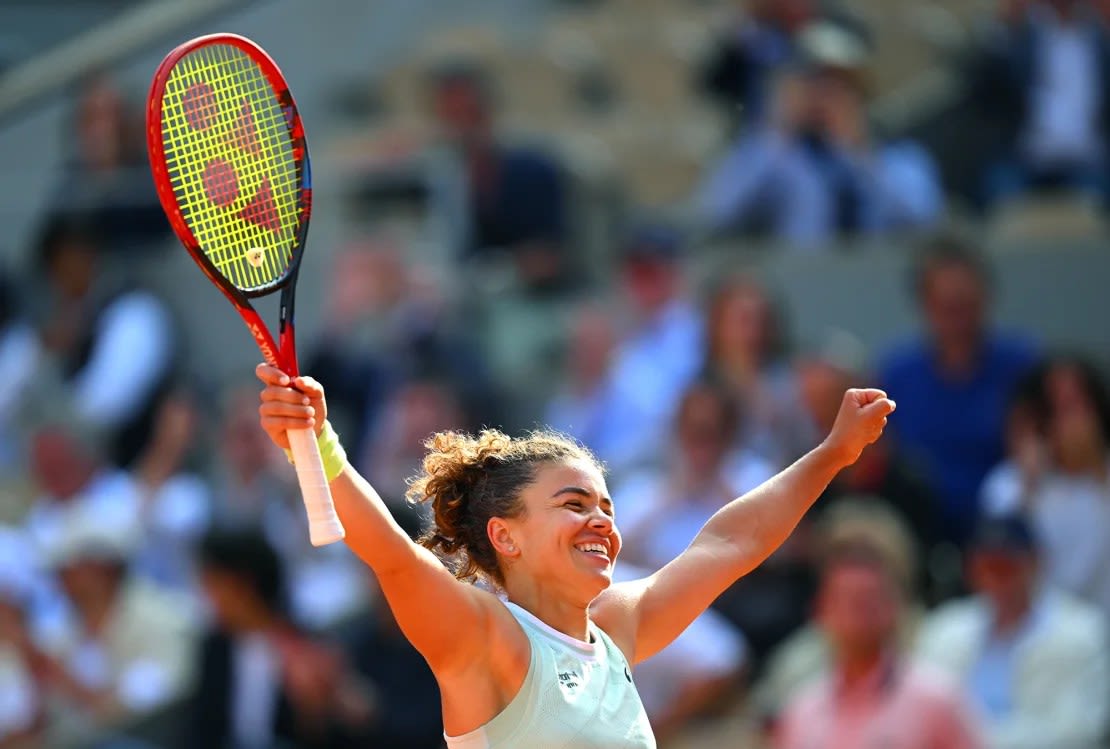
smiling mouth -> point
(594, 550)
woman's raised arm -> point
(650, 613)
(447, 621)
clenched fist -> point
(861, 419)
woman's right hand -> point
(289, 403)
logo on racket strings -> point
(256, 256)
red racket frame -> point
(284, 356)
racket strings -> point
(230, 159)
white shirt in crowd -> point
(1071, 517)
(1067, 94)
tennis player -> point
(545, 660)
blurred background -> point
(674, 229)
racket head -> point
(230, 164)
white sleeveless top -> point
(576, 695)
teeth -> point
(592, 547)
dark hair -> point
(469, 480)
(729, 410)
(1093, 383)
(776, 345)
(246, 554)
(463, 73)
(59, 231)
(947, 250)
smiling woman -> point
(541, 655)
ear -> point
(501, 537)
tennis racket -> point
(230, 164)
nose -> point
(601, 522)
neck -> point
(958, 357)
(95, 612)
(1008, 615)
(261, 621)
(572, 619)
(857, 666)
(1092, 462)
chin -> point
(600, 582)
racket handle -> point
(323, 523)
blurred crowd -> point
(951, 589)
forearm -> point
(372, 533)
(750, 528)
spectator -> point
(107, 180)
(263, 682)
(873, 695)
(168, 505)
(586, 405)
(516, 196)
(1059, 477)
(806, 654)
(389, 322)
(814, 169)
(662, 510)
(1039, 79)
(1034, 659)
(111, 344)
(127, 649)
(658, 355)
(953, 383)
(176, 506)
(746, 345)
(417, 410)
(751, 51)
(73, 480)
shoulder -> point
(136, 304)
(952, 618)
(1075, 620)
(530, 159)
(903, 359)
(904, 153)
(933, 688)
(806, 702)
(1012, 349)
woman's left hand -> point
(862, 417)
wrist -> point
(332, 454)
(835, 455)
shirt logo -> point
(627, 674)
(569, 680)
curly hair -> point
(470, 479)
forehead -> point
(946, 274)
(851, 576)
(552, 477)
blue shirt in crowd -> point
(953, 429)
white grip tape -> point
(323, 524)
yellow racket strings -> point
(230, 159)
